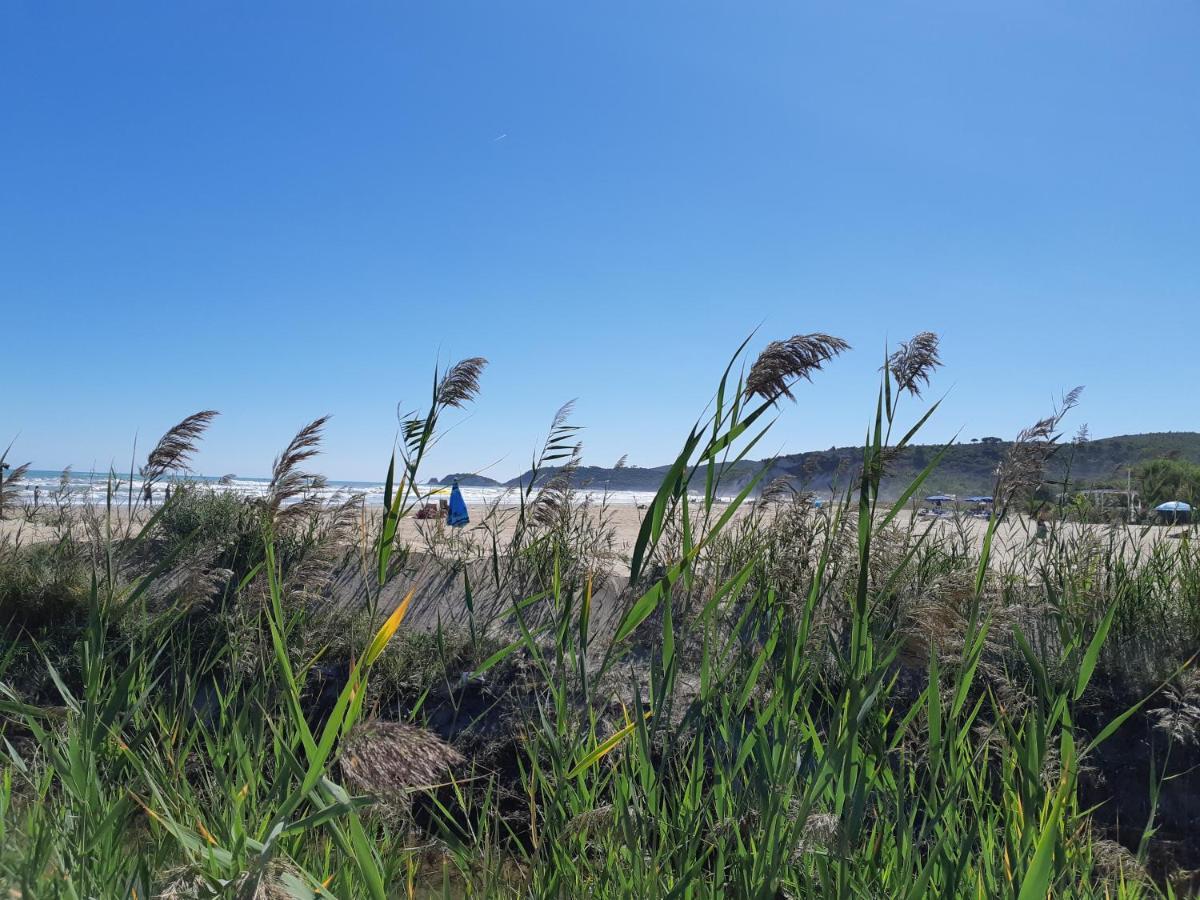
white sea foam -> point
(93, 488)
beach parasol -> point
(1174, 511)
(458, 508)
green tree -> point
(1161, 480)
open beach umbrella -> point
(939, 498)
(457, 516)
(1175, 511)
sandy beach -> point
(497, 524)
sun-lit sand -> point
(624, 521)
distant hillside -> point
(971, 468)
(626, 478)
(967, 468)
(465, 479)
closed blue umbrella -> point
(457, 516)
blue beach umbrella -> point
(1175, 511)
(457, 516)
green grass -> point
(792, 702)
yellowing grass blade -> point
(388, 629)
(604, 749)
(585, 615)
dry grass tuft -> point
(389, 760)
(185, 884)
(1179, 718)
(1117, 864)
(782, 363)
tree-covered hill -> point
(966, 468)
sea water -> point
(79, 488)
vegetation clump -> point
(257, 697)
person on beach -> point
(1042, 520)
(148, 494)
(167, 495)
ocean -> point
(79, 488)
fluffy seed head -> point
(1179, 717)
(176, 447)
(1023, 467)
(460, 385)
(288, 480)
(391, 759)
(782, 363)
(913, 363)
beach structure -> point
(981, 506)
(1114, 503)
(937, 504)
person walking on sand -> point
(1042, 519)
(148, 494)
(167, 495)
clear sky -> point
(284, 209)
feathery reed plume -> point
(561, 417)
(820, 832)
(226, 479)
(10, 484)
(560, 444)
(460, 385)
(913, 363)
(288, 480)
(782, 363)
(778, 490)
(193, 579)
(1023, 467)
(176, 447)
(329, 529)
(391, 759)
(621, 463)
(554, 495)
(1179, 717)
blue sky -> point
(281, 210)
